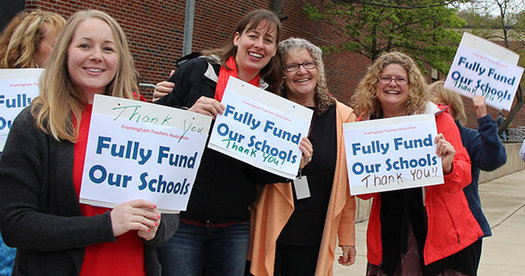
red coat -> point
(451, 225)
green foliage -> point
(419, 28)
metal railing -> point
(516, 134)
(146, 90)
(147, 85)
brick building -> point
(155, 30)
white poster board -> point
(261, 128)
(392, 154)
(483, 68)
(140, 150)
(18, 87)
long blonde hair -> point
(59, 100)
(365, 100)
(450, 98)
(20, 39)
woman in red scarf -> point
(213, 234)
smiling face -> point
(393, 96)
(255, 48)
(300, 85)
(92, 57)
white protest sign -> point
(139, 150)
(392, 154)
(261, 128)
(491, 72)
(18, 87)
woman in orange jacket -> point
(295, 235)
(418, 231)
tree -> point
(422, 29)
(501, 21)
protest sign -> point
(139, 150)
(261, 128)
(392, 154)
(489, 70)
(18, 87)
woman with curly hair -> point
(417, 231)
(295, 235)
(28, 39)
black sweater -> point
(224, 187)
(39, 210)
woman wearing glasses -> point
(417, 231)
(297, 236)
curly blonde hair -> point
(450, 98)
(20, 39)
(59, 101)
(323, 99)
(365, 100)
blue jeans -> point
(7, 258)
(200, 250)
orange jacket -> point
(275, 206)
(451, 225)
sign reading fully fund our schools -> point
(392, 154)
(139, 150)
(260, 128)
(18, 87)
(483, 68)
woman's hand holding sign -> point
(480, 105)
(446, 151)
(207, 106)
(308, 152)
(139, 214)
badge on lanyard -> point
(300, 184)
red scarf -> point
(225, 74)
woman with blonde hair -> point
(42, 163)
(417, 231)
(26, 42)
(484, 147)
(28, 39)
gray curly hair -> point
(323, 98)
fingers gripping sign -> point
(208, 106)
(139, 215)
(446, 151)
(308, 152)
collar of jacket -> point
(213, 75)
(432, 108)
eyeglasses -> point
(397, 80)
(292, 67)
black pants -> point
(293, 260)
